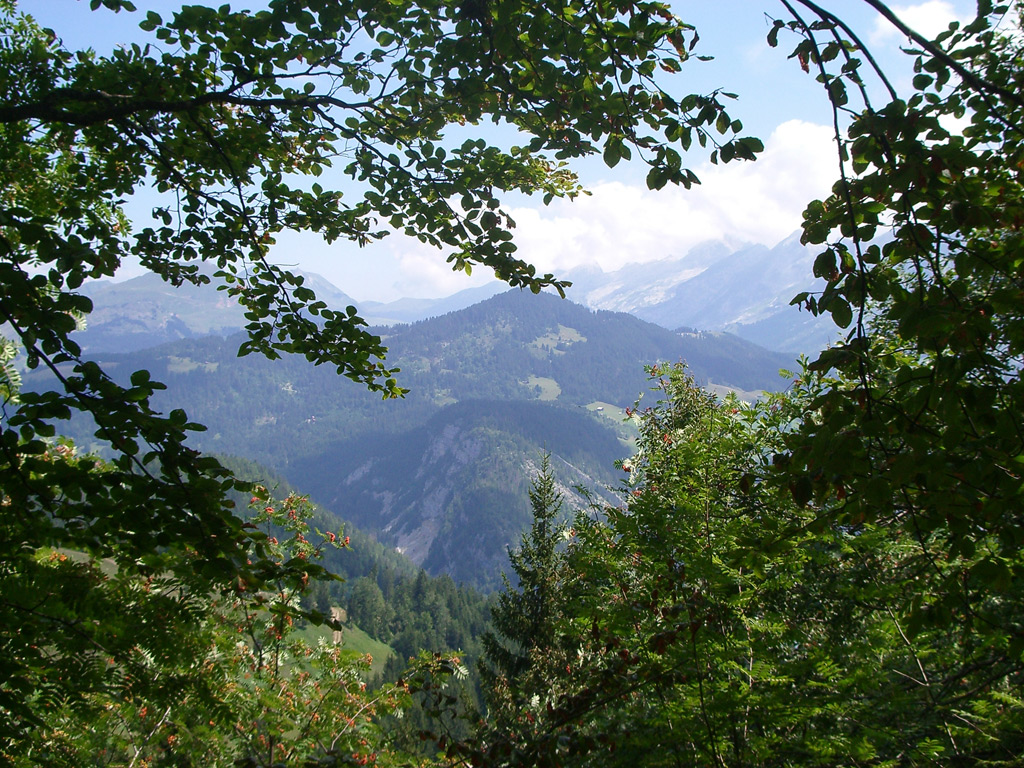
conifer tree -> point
(524, 619)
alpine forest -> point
(251, 522)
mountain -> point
(452, 494)
(410, 310)
(515, 346)
(588, 355)
(636, 286)
(145, 311)
(442, 473)
(719, 285)
(742, 288)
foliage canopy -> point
(834, 576)
(227, 116)
(846, 583)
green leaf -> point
(842, 314)
(612, 153)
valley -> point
(570, 516)
(441, 475)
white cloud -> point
(423, 272)
(928, 18)
(620, 223)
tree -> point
(226, 115)
(899, 453)
(367, 609)
(218, 679)
(891, 487)
(834, 576)
(913, 424)
(521, 648)
(716, 621)
(669, 642)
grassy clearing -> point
(353, 639)
(607, 410)
(549, 389)
(626, 430)
(356, 640)
(564, 336)
(185, 365)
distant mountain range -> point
(146, 311)
(744, 289)
(442, 474)
(495, 380)
(411, 310)
(720, 285)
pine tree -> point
(524, 619)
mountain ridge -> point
(442, 473)
(718, 285)
(741, 288)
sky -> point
(621, 222)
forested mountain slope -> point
(452, 494)
(442, 473)
(593, 355)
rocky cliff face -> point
(454, 498)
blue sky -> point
(621, 222)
